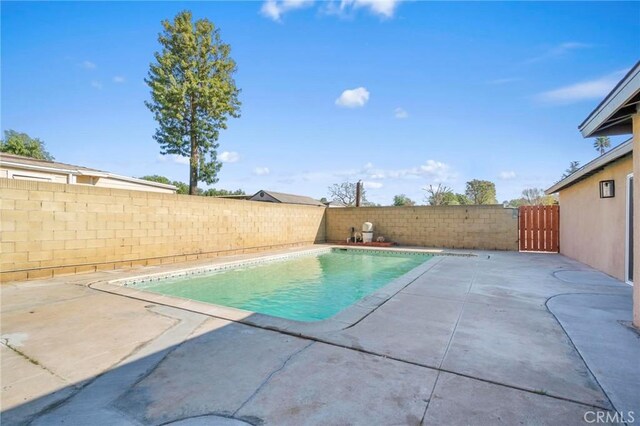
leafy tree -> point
(601, 144)
(212, 192)
(157, 178)
(403, 200)
(481, 192)
(193, 94)
(324, 200)
(574, 166)
(22, 144)
(345, 192)
(450, 199)
(515, 203)
(462, 199)
(440, 195)
(531, 197)
(181, 187)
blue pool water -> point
(305, 288)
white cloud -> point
(383, 8)
(353, 98)
(364, 171)
(434, 171)
(96, 84)
(178, 159)
(591, 89)
(400, 113)
(372, 185)
(382, 182)
(118, 79)
(229, 157)
(88, 65)
(274, 9)
(559, 50)
(261, 171)
(507, 175)
(565, 47)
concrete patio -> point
(501, 338)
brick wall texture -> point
(52, 229)
(462, 227)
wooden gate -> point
(539, 228)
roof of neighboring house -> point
(289, 198)
(335, 203)
(57, 167)
(49, 165)
(235, 197)
(613, 115)
(594, 166)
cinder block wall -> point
(470, 227)
(52, 229)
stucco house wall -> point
(592, 229)
(112, 182)
(24, 168)
(21, 174)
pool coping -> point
(346, 318)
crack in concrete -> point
(433, 264)
(433, 391)
(385, 356)
(573, 345)
(51, 408)
(315, 339)
(418, 364)
(6, 344)
(203, 416)
(268, 378)
(455, 326)
(446, 351)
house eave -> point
(140, 181)
(85, 172)
(613, 115)
(594, 166)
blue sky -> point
(400, 95)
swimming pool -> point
(309, 287)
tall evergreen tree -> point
(193, 94)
